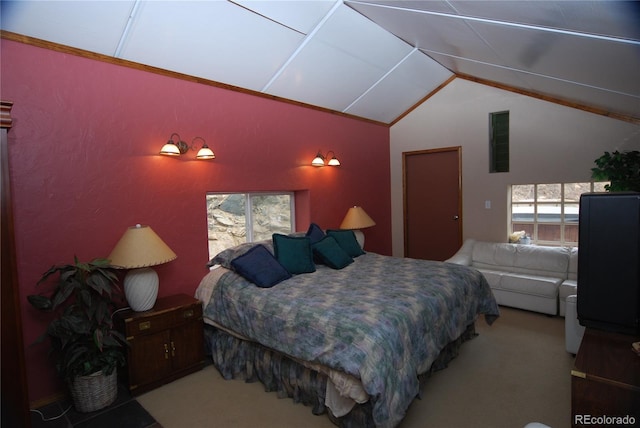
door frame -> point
(458, 150)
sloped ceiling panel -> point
(369, 58)
(585, 95)
(210, 40)
(93, 26)
(318, 52)
(345, 57)
(538, 52)
(404, 86)
(302, 16)
(581, 52)
(613, 18)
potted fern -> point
(621, 169)
(83, 340)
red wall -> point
(84, 166)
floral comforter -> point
(382, 319)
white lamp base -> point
(141, 288)
(359, 237)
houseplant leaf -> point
(621, 169)
(81, 333)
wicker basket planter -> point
(93, 392)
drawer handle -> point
(166, 351)
(173, 349)
(145, 325)
(579, 374)
(188, 313)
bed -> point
(352, 339)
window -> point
(499, 142)
(548, 213)
(234, 218)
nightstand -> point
(605, 381)
(165, 342)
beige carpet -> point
(515, 372)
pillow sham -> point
(294, 253)
(259, 266)
(314, 233)
(332, 254)
(225, 257)
(347, 240)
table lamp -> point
(355, 220)
(138, 249)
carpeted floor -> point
(515, 372)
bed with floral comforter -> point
(381, 320)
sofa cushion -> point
(523, 259)
(491, 255)
(549, 261)
(530, 284)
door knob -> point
(455, 217)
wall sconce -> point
(319, 159)
(179, 147)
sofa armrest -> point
(463, 256)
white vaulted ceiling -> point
(374, 59)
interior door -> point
(432, 203)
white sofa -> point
(524, 276)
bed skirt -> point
(240, 359)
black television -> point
(609, 262)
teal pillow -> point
(332, 254)
(259, 266)
(294, 253)
(347, 240)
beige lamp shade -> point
(138, 249)
(357, 218)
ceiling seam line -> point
(504, 67)
(304, 43)
(127, 28)
(384, 76)
(505, 23)
(235, 3)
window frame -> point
(249, 212)
(499, 142)
(565, 218)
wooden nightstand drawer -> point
(148, 325)
(153, 321)
(192, 312)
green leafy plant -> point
(82, 335)
(621, 169)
